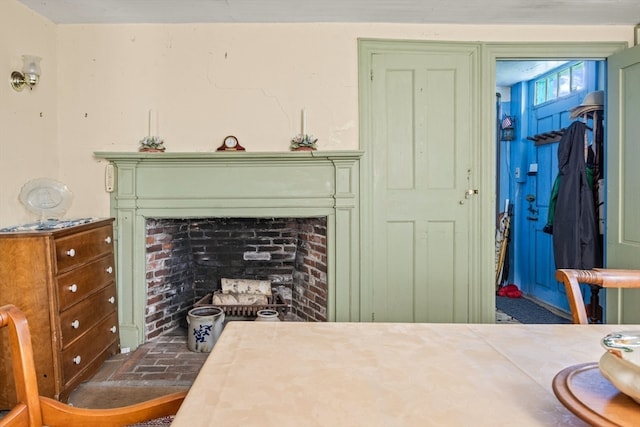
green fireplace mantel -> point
(224, 156)
(235, 184)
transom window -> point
(561, 83)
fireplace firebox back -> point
(189, 259)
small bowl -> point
(625, 344)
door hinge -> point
(371, 75)
(373, 317)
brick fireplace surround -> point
(239, 186)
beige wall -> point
(201, 81)
(28, 119)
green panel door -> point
(421, 153)
(623, 179)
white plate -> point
(47, 198)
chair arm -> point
(57, 414)
(604, 277)
(18, 417)
(618, 278)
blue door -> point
(539, 282)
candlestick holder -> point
(151, 144)
(303, 142)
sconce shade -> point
(31, 64)
(30, 73)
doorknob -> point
(470, 192)
(531, 198)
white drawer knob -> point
(71, 252)
(108, 240)
(113, 329)
(109, 269)
(77, 359)
(73, 288)
(112, 300)
(75, 324)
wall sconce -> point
(29, 75)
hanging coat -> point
(575, 230)
(548, 228)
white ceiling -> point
(537, 12)
(510, 72)
(541, 12)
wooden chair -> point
(606, 278)
(34, 410)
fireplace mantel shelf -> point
(226, 156)
(235, 184)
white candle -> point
(149, 125)
(304, 122)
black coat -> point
(576, 242)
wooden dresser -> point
(64, 281)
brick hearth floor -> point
(166, 358)
(158, 367)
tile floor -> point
(502, 317)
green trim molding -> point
(234, 184)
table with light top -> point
(388, 374)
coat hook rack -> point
(547, 137)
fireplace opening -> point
(187, 258)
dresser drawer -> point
(81, 247)
(81, 354)
(80, 318)
(75, 285)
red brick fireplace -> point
(186, 258)
(232, 185)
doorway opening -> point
(534, 99)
